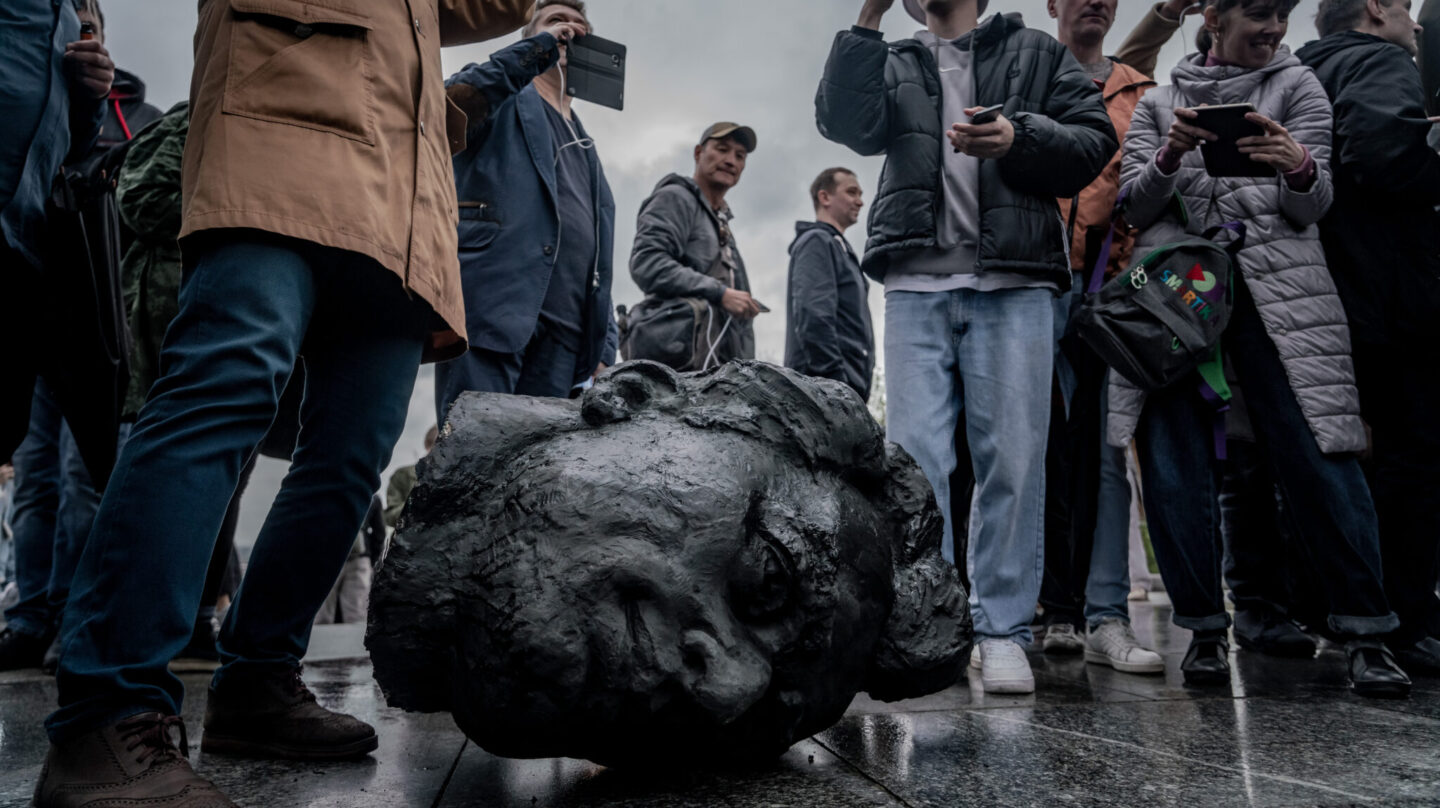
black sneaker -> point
(276, 716)
(1374, 671)
(1207, 662)
(21, 650)
(1269, 632)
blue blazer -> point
(509, 214)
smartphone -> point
(987, 115)
(764, 309)
(1222, 157)
(596, 71)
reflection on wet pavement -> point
(1282, 733)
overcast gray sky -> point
(691, 63)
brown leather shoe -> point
(132, 763)
(276, 716)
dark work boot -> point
(1207, 662)
(51, 661)
(1421, 657)
(20, 650)
(133, 763)
(1270, 632)
(1374, 671)
(276, 716)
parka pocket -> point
(302, 64)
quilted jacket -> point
(1283, 262)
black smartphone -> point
(764, 309)
(596, 71)
(1222, 157)
(987, 115)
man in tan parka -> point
(319, 223)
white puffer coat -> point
(1283, 262)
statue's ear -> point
(627, 389)
(928, 635)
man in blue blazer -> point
(537, 223)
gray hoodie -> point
(676, 242)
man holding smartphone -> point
(537, 223)
(969, 243)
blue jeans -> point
(54, 507)
(250, 304)
(1108, 587)
(1327, 497)
(991, 355)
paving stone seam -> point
(1280, 778)
(864, 774)
(449, 775)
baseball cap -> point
(918, 11)
(744, 134)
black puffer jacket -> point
(1382, 234)
(886, 99)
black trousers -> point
(1398, 395)
(1072, 487)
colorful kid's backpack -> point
(1163, 316)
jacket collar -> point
(1125, 77)
(1224, 84)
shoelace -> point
(154, 736)
(296, 684)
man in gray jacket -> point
(827, 316)
(683, 244)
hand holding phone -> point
(988, 136)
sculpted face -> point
(654, 579)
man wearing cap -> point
(683, 244)
(967, 238)
(537, 223)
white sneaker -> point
(1113, 643)
(1003, 667)
(1061, 638)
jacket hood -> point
(1226, 84)
(801, 228)
(676, 179)
(1319, 51)
(127, 85)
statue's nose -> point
(723, 678)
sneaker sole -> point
(1097, 658)
(1009, 688)
(1384, 690)
(212, 744)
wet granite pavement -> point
(1283, 733)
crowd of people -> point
(291, 243)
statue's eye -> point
(764, 584)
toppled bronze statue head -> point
(706, 566)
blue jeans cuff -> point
(1213, 622)
(1347, 625)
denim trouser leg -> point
(1108, 587)
(1256, 555)
(35, 515)
(78, 503)
(1327, 496)
(995, 350)
(923, 399)
(358, 385)
(246, 304)
(1005, 360)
